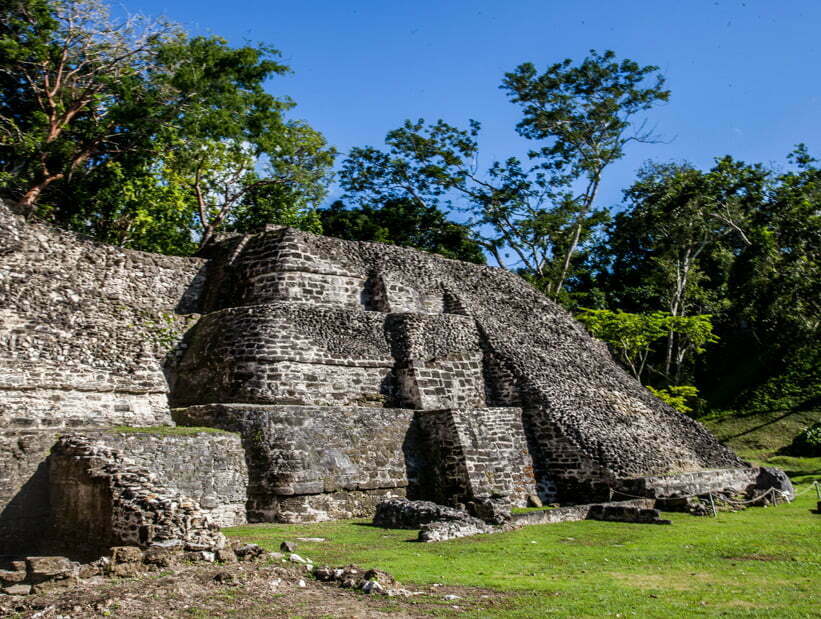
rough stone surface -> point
(476, 454)
(314, 463)
(444, 334)
(24, 491)
(101, 500)
(207, 467)
(405, 514)
(84, 328)
(353, 372)
(750, 481)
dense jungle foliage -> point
(705, 283)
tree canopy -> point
(136, 133)
(704, 281)
(402, 222)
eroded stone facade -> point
(351, 372)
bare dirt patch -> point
(240, 590)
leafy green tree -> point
(632, 337)
(136, 133)
(402, 222)
(585, 116)
(528, 218)
(739, 242)
(672, 247)
(232, 128)
(72, 79)
(677, 396)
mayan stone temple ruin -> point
(338, 374)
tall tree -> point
(673, 245)
(585, 114)
(527, 217)
(71, 75)
(141, 128)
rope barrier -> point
(710, 493)
(813, 486)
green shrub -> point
(808, 442)
(677, 396)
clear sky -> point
(745, 75)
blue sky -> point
(745, 75)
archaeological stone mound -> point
(336, 374)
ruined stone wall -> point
(752, 481)
(315, 350)
(316, 462)
(100, 499)
(587, 422)
(205, 466)
(84, 328)
(287, 354)
(208, 467)
(24, 492)
(438, 361)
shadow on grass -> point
(802, 408)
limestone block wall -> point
(84, 328)
(476, 453)
(438, 360)
(253, 270)
(754, 480)
(287, 354)
(587, 422)
(208, 467)
(205, 466)
(316, 462)
(100, 499)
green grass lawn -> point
(759, 562)
(763, 562)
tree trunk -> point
(27, 203)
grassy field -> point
(759, 562)
(763, 562)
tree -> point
(629, 336)
(632, 337)
(150, 136)
(528, 219)
(516, 215)
(402, 222)
(71, 74)
(673, 245)
(232, 129)
(585, 114)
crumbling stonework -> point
(207, 467)
(24, 491)
(313, 462)
(292, 318)
(353, 372)
(99, 499)
(750, 482)
(84, 328)
(477, 453)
